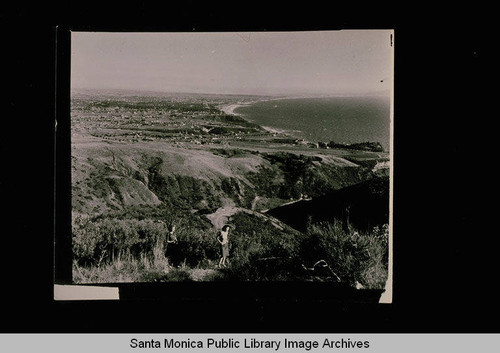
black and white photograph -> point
(232, 157)
(190, 175)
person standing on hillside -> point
(223, 239)
(170, 238)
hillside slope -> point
(363, 206)
(112, 176)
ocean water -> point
(339, 119)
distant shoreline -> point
(230, 110)
(230, 105)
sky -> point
(267, 63)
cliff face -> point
(110, 177)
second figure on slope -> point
(222, 238)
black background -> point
(444, 237)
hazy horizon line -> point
(304, 94)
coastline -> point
(290, 133)
(230, 110)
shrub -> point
(181, 191)
(114, 250)
(110, 238)
(229, 152)
(194, 246)
(259, 251)
(352, 256)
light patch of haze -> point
(275, 63)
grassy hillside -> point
(117, 250)
(124, 204)
(136, 173)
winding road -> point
(222, 214)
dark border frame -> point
(442, 275)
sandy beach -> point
(229, 109)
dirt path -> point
(222, 214)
